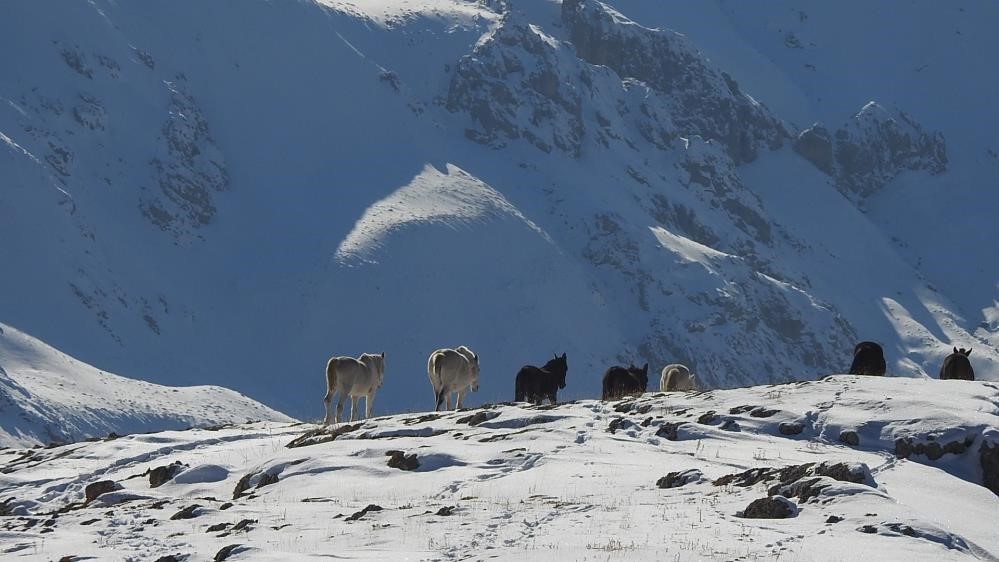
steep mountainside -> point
(47, 397)
(210, 195)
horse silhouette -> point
(957, 366)
(354, 378)
(868, 359)
(619, 381)
(534, 384)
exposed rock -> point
(402, 461)
(833, 519)
(850, 438)
(677, 479)
(762, 412)
(988, 454)
(217, 527)
(790, 428)
(857, 473)
(190, 172)
(243, 525)
(359, 514)
(445, 511)
(668, 430)
(226, 551)
(425, 418)
(225, 506)
(321, 435)
(171, 558)
(92, 491)
(189, 512)
(730, 425)
(707, 418)
(702, 100)
(871, 149)
(478, 417)
(267, 479)
(933, 450)
(777, 507)
(162, 474)
(619, 423)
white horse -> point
(354, 378)
(676, 377)
(452, 370)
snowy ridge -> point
(450, 197)
(861, 466)
(48, 397)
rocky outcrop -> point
(607, 79)
(871, 149)
(677, 479)
(701, 99)
(776, 507)
(189, 171)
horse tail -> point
(433, 371)
(440, 397)
(330, 377)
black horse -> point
(868, 359)
(534, 384)
(958, 366)
(619, 382)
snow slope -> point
(48, 397)
(576, 481)
(205, 197)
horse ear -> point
(646, 368)
(563, 355)
(383, 355)
(969, 352)
(955, 349)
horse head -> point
(376, 364)
(473, 365)
(642, 375)
(561, 367)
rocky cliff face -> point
(870, 149)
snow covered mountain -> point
(848, 468)
(47, 397)
(200, 193)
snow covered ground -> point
(49, 397)
(574, 482)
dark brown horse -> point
(619, 382)
(868, 359)
(957, 366)
(534, 384)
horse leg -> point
(367, 405)
(339, 407)
(551, 398)
(457, 402)
(447, 400)
(353, 406)
(326, 402)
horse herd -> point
(456, 371)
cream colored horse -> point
(452, 370)
(354, 378)
(675, 378)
